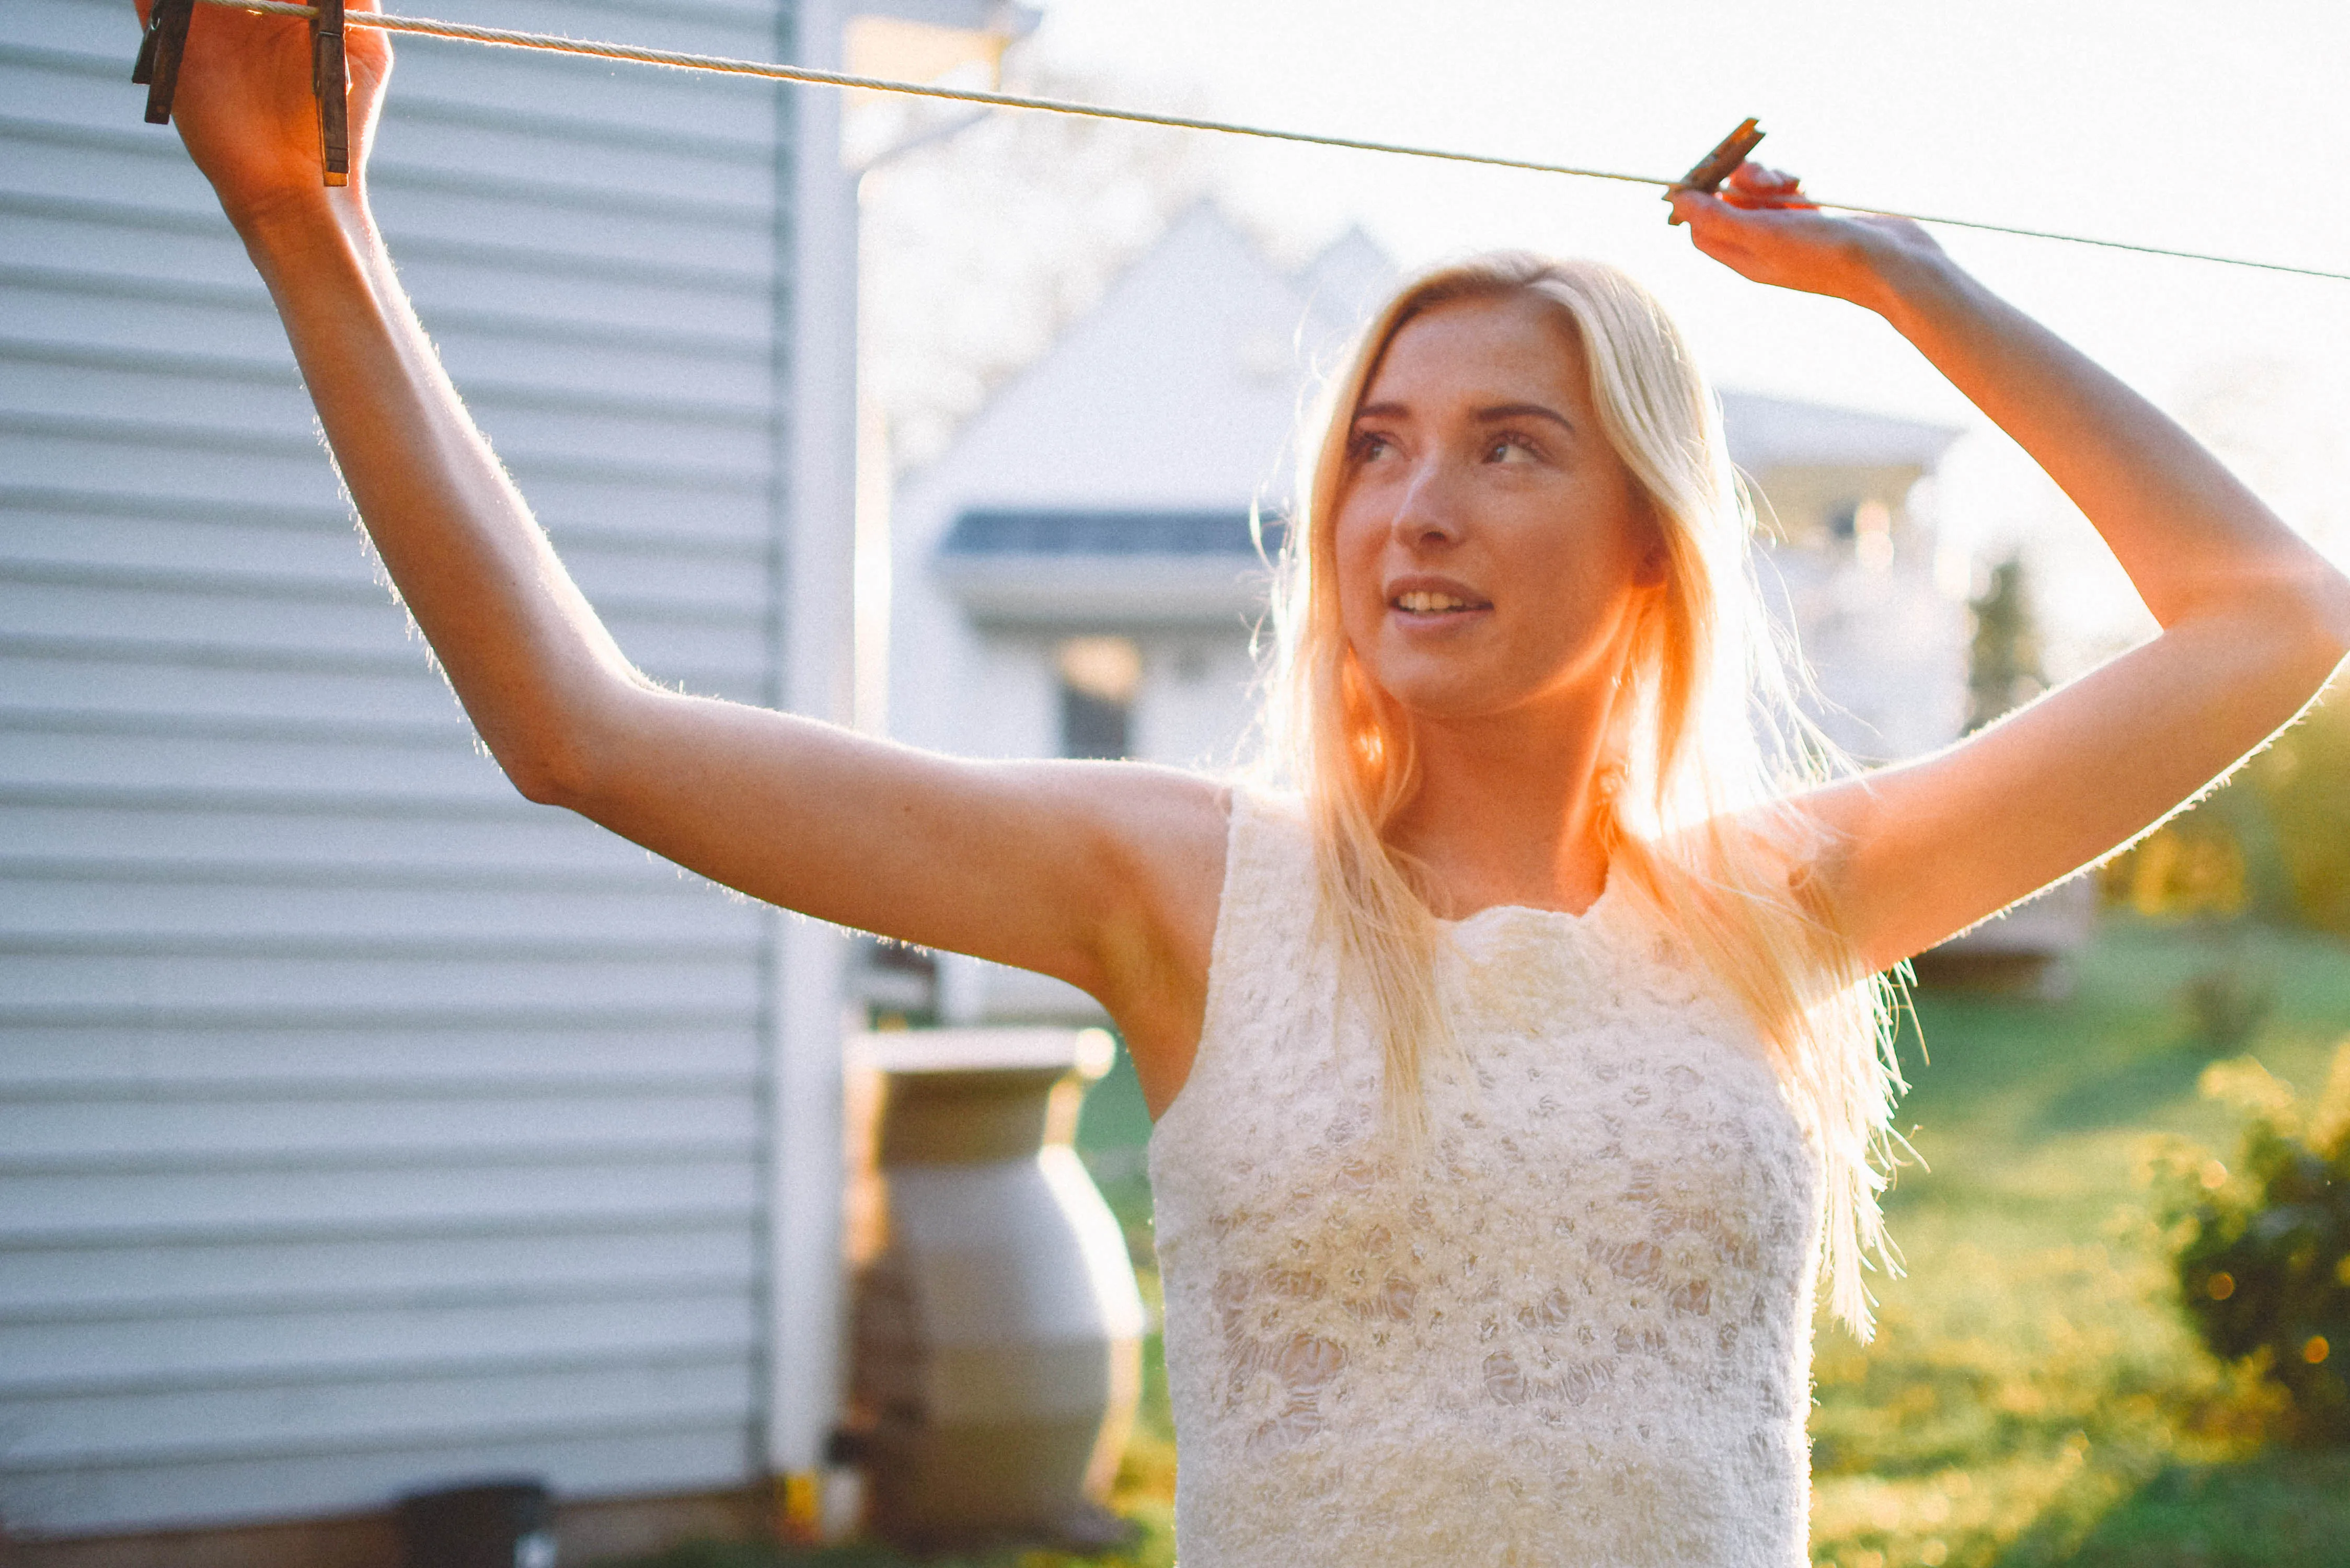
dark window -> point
(1099, 677)
(1091, 727)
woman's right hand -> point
(1105, 877)
(244, 107)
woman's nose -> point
(1428, 512)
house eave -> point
(1073, 592)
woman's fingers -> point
(1755, 185)
(246, 107)
(1781, 240)
(1761, 176)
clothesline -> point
(555, 43)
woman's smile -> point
(1422, 601)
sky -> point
(2200, 126)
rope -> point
(427, 27)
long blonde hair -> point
(1695, 775)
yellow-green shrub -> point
(2264, 1251)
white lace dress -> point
(1579, 1336)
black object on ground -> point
(503, 1523)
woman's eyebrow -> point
(1522, 410)
(1493, 415)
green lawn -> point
(2033, 1396)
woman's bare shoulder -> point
(1174, 827)
(1161, 810)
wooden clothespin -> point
(1717, 165)
(331, 82)
(166, 38)
(157, 69)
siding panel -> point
(504, 837)
(89, 903)
(443, 1270)
(445, 1198)
(158, 981)
(174, 612)
(357, 1062)
(283, 546)
(654, 1450)
(281, 1422)
(181, 1134)
(219, 1349)
(363, 1126)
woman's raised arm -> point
(1105, 875)
(2253, 619)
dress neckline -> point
(1570, 918)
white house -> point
(363, 1127)
(1076, 576)
(1878, 607)
(1106, 490)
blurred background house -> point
(1079, 576)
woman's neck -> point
(1509, 811)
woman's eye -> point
(1370, 444)
(1510, 449)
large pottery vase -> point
(998, 1330)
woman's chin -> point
(1452, 694)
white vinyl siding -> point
(361, 1125)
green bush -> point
(2227, 1003)
(2262, 1253)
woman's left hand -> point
(2256, 621)
(1762, 226)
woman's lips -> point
(1435, 599)
(1433, 603)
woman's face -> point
(1493, 550)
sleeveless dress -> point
(1579, 1332)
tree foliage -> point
(2274, 843)
(2303, 785)
(2003, 664)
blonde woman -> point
(1515, 1072)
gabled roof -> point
(1177, 391)
(1349, 279)
(1767, 432)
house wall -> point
(1122, 413)
(362, 1126)
(1193, 709)
(1190, 709)
(1884, 641)
(1802, 498)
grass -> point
(2033, 1395)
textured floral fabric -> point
(1577, 1332)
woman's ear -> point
(1656, 560)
